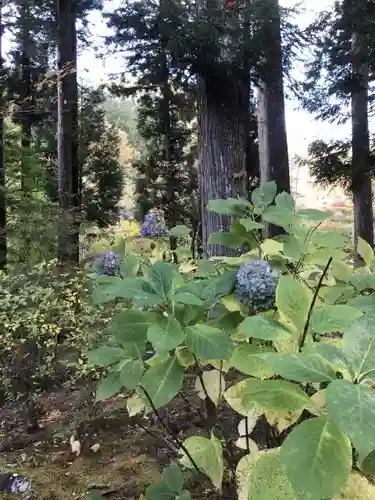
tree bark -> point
(361, 174)
(273, 145)
(3, 219)
(223, 139)
(67, 133)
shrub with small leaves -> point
(256, 285)
(153, 226)
(107, 263)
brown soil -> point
(127, 461)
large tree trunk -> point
(273, 145)
(3, 222)
(68, 164)
(223, 140)
(361, 175)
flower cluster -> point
(107, 263)
(152, 226)
(256, 286)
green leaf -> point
(129, 267)
(253, 394)
(134, 349)
(264, 195)
(135, 404)
(159, 491)
(160, 276)
(220, 286)
(207, 342)
(293, 300)
(172, 477)
(252, 359)
(329, 239)
(352, 408)
(127, 288)
(229, 240)
(359, 344)
(312, 214)
(367, 466)
(108, 386)
(165, 334)
(185, 357)
(317, 458)
(279, 216)
(163, 381)
(208, 456)
(131, 325)
(180, 231)
(185, 495)
(230, 206)
(334, 318)
(105, 356)
(250, 225)
(264, 328)
(187, 298)
(131, 371)
(303, 368)
(366, 252)
(214, 385)
(329, 352)
(260, 476)
(365, 303)
(285, 200)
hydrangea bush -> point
(153, 226)
(292, 320)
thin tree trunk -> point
(361, 175)
(68, 164)
(3, 220)
(273, 145)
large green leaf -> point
(366, 252)
(229, 240)
(187, 298)
(303, 368)
(160, 491)
(129, 266)
(330, 239)
(313, 215)
(253, 394)
(264, 195)
(109, 386)
(131, 325)
(329, 352)
(105, 356)
(208, 456)
(335, 318)
(293, 300)
(280, 216)
(365, 303)
(285, 200)
(131, 371)
(250, 225)
(352, 408)
(263, 328)
(359, 344)
(128, 288)
(173, 477)
(180, 231)
(219, 286)
(230, 206)
(165, 334)
(317, 458)
(252, 359)
(160, 277)
(207, 342)
(260, 476)
(163, 381)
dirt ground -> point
(127, 460)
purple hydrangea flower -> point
(152, 226)
(256, 286)
(108, 263)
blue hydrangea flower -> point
(108, 263)
(256, 286)
(152, 226)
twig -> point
(170, 432)
(247, 434)
(312, 305)
(156, 436)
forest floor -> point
(128, 459)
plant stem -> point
(312, 305)
(170, 432)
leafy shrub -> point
(42, 314)
(305, 365)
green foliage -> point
(306, 366)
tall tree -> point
(273, 146)
(338, 90)
(3, 221)
(68, 164)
